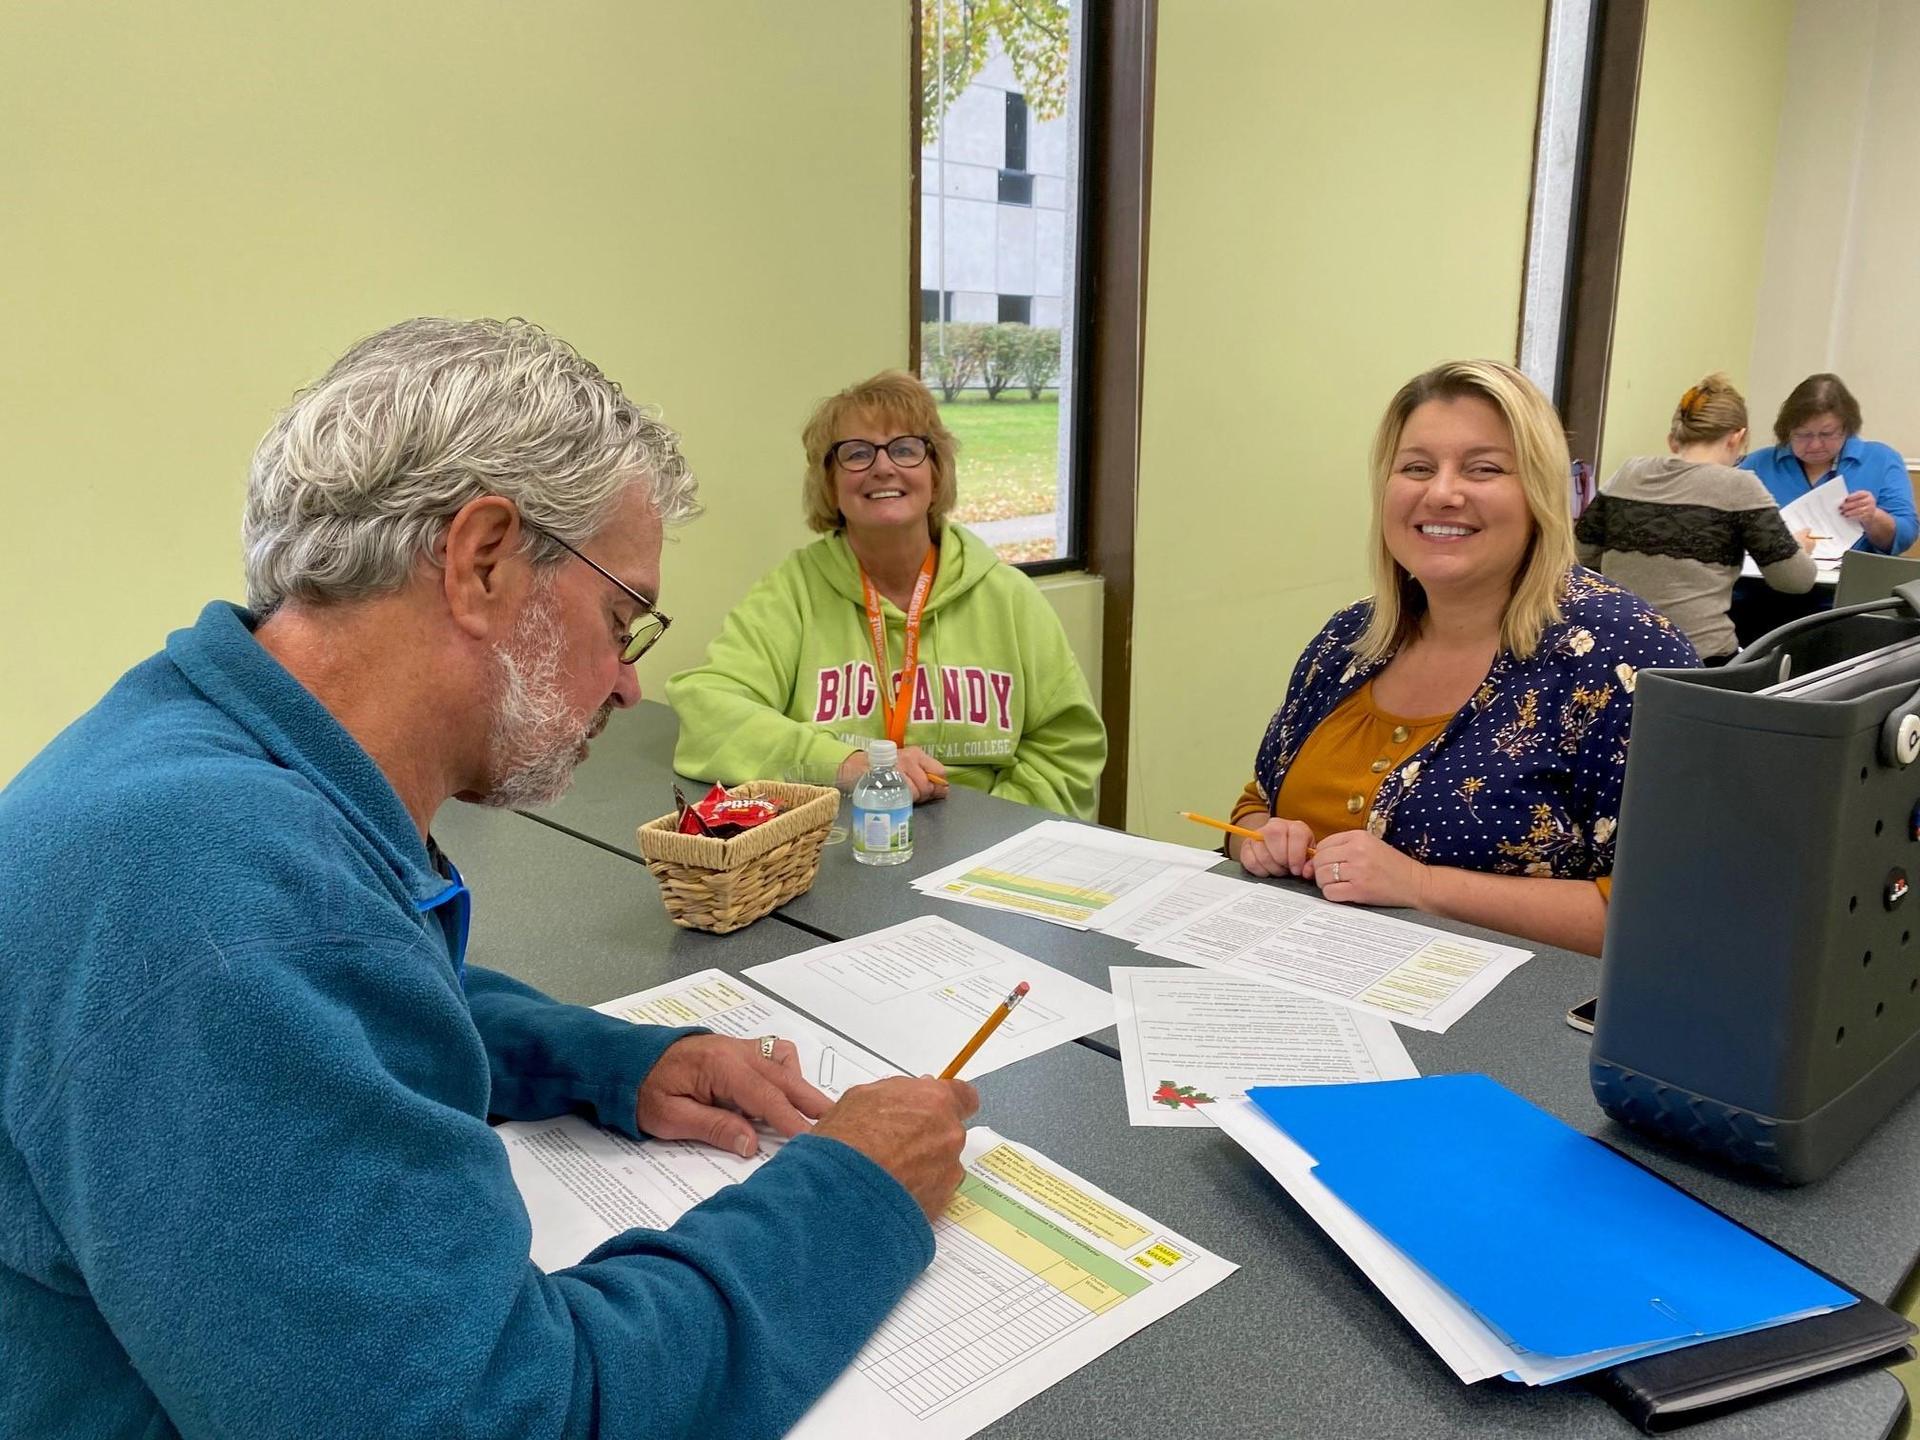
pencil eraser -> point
(1021, 988)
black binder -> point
(1663, 1392)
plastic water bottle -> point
(882, 809)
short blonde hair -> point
(1540, 448)
(1710, 410)
(896, 398)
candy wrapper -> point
(721, 815)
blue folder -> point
(1557, 1242)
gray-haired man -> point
(246, 1180)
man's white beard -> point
(536, 737)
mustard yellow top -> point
(1331, 784)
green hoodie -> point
(787, 690)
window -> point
(999, 220)
(1016, 131)
(1016, 181)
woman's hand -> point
(925, 776)
(1862, 508)
(1805, 537)
(1354, 868)
(1281, 849)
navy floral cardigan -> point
(1526, 779)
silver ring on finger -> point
(1336, 872)
(766, 1047)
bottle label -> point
(883, 831)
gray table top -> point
(626, 779)
(581, 924)
(1298, 1342)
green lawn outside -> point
(1009, 454)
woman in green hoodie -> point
(810, 665)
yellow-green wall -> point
(205, 202)
(1339, 200)
(1711, 84)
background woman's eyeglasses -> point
(860, 454)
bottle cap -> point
(881, 754)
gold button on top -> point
(1379, 765)
(1354, 802)
(1400, 733)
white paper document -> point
(1825, 572)
(1819, 511)
(1035, 1272)
(726, 1005)
(583, 1184)
(1177, 896)
(1067, 874)
(1394, 968)
(1190, 1039)
(917, 992)
(1456, 1334)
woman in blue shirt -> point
(1818, 430)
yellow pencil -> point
(1004, 1009)
(1219, 824)
(1240, 830)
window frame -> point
(1108, 326)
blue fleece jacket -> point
(247, 1185)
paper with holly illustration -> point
(1189, 1038)
(1175, 1097)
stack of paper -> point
(915, 993)
(1190, 1039)
(1035, 1271)
(1397, 969)
(1163, 899)
(1513, 1244)
(1819, 511)
(1073, 875)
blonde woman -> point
(898, 623)
(1457, 742)
(1674, 528)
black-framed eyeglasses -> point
(856, 455)
(649, 622)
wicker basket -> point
(721, 885)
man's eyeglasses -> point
(648, 624)
(856, 455)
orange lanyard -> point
(894, 708)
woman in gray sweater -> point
(1674, 528)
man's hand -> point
(1280, 850)
(713, 1087)
(912, 1129)
(925, 776)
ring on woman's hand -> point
(766, 1047)
(1336, 872)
